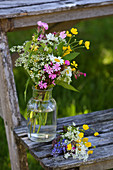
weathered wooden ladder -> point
(61, 15)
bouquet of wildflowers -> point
(49, 58)
(72, 143)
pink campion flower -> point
(56, 67)
(78, 74)
(73, 148)
(40, 37)
(84, 74)
(39, 23)
(53, 82)
(45, 25)
(45, 85)
(75, 76)
(67, 62)
(52, 76)
(48, 69)
(62, 34)
(51, 63)
(54, 33)
(42, 85)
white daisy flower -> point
(57, 60)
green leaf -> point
(27, 46)
(71, 56)
(43, 45)
(26, 86)
(65, 85)
(60, 47)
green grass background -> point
(96, 89)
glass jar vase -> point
(41, 116)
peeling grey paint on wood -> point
(19, 14)
(10, 108)
(1, 109)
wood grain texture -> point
(19, 14)
(1, 109)
(10, 108)
(101, 121)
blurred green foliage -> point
(96, 90)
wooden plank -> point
(42, 150)
(99, 166)
(101, 121)
(45, 149)
(1, 110)
(53, 12)
(10, 106)
(100, 154)
(15, 8)
(90, 118)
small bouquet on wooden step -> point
(72, 143)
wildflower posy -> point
(72, 143)
(49, 59)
